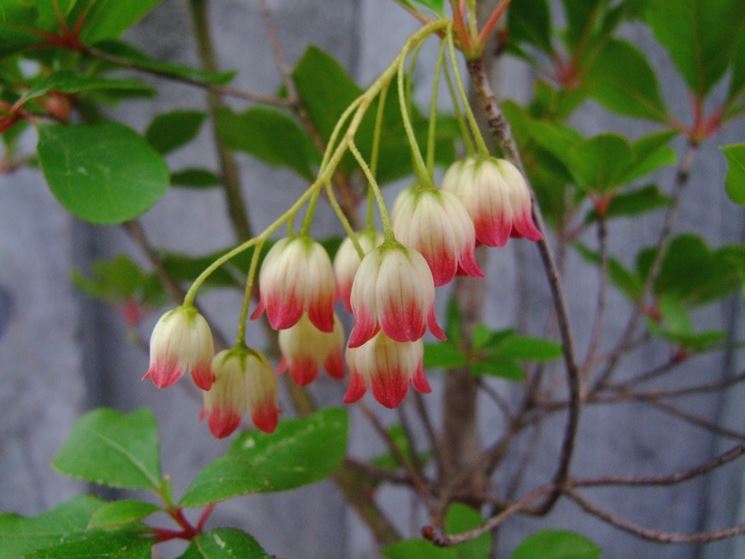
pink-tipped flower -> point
(393, 291)
(497, 198)
(297, 277)
(305, 349)
(244, 383)
(436, 224)
(387, 366)
(181, 342)
(347, 261)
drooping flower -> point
(245, 383)
(305, 349)
(181, 341)
(297, 277)
(387, 367)
(496, 196)
(436, 224)
(347, 261)
(393, 291)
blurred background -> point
(62, 353)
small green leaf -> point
(387, 460)
(299, 452)
(650, 153)
(169, 131)
(103, 173)
(271, 136)
(461, 518)
(735, 103)
(453, 321)
(633, 203)
(21, 535)
(530, 22)
(112, 280)
(443, 355)
(119, 513)
(68, 82)
(623, 81)
(130, 54)
(437, 6)
(735, 181)
(418, 549)
(699, 35)
(222, 543)
(112, 448)
(101, 545)
(557, 544)
(497, 367)
(624, 279)
(527, 348)
(107, 19)
(600, 162)
(195, 178)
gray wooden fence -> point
(61, 353)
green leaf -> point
(699, 35)
(650, 152)
(299, 452)
(129, 54)
(195, 178)
(600, 162)
(119, 513)
(436, 6)
(583, 20)
(387, 460)
(101, 545)
(69, 82)
(624, 82)
(624, 279)
(21, 535)
(169, 131)
(20, 18)
(418, 549)
(324, 88)
(271, 136)
(444, 355)
(497, 367)
(102, 173)
(461, 518)
(737, 81)
(674, 315)
(113, 280)
(453, 321)
(527, 348)
(633, 203)
(530, 22)
(107, 19)
(112, 448)
(557, 544)
(224, 542)
(735, 181)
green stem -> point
(480, 143)
(432, 130)
(465, 133)
(240, 337)
(374, 156)
(344, 221)
(309, 213)
(384, 215)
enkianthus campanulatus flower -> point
(347, 260)
(305, 349)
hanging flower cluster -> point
(386, 280)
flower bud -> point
(437, 225)
(244, 383)
(305, 348)
(297, 277)
(181, 341)
(496, 197)
(347, 261)
(393, 290)
(387, 366)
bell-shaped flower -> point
(388, 367)
(347, 260)
(181, 341)
(245, 383)
(496, 197)
(297, 277)
(393, 291)
(305, 349)
(436, 224)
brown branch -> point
(375, 472)
(225, 90)
(597, 323)
(663, 241)
(434, 441)
(730, 455)
(501, 130)
(648, 534)
(696, 420)
(678, 392)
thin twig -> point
(597, 323)
(648, 534)
(429, 428)
(730, 455)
